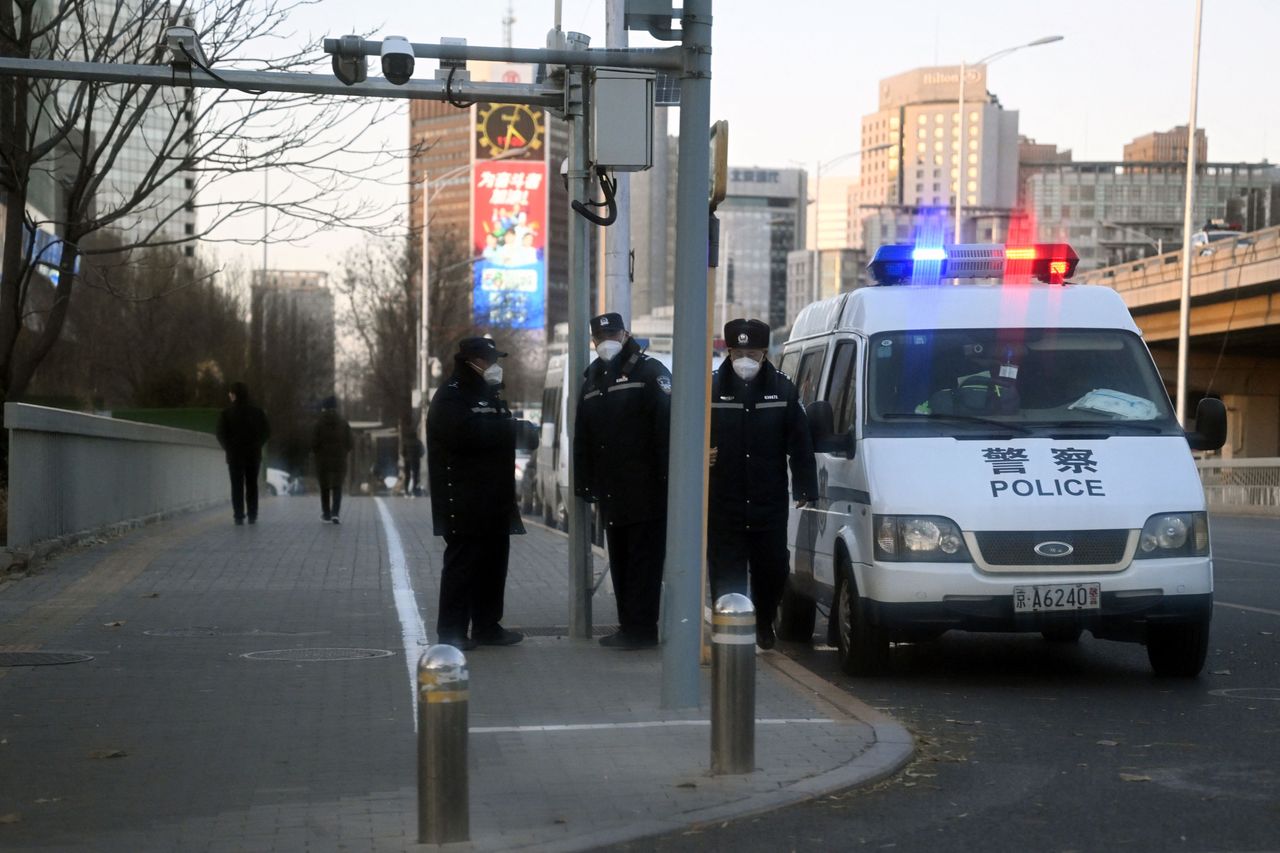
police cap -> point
(607, 324)
(479, 348)
(746, 334)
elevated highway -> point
(1235, 328)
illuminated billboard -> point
(509, 243)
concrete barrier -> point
(72, 473)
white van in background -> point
(995, 457)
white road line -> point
(1248, 607)
(1218, 559)
(412, 630)
(654, 724)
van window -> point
(807, 377)
(841, 392)
(789, 362)
(1031, 381)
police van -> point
(994, 456)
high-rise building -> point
(913, 152)
(839, 271)
(762, 220)
(1032, 155)
(1166, 146)
(830, 224)
(292, 330)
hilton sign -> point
(926, 85)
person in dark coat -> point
(412, 465)
(471, 458)
(757, 425)
(331, 442)
(242, 430)
(621, 439)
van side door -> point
(838, 487)
(802, 524)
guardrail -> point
(1241, 486)
(71, 474)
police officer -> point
(471, 447)
(620, 446)
(757, 424)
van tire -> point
(863, 648)
(796, 617)
(1178, 651)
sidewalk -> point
(314, 750)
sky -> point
(793, 79)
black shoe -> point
(501, 637)
(628, 642)
(465, 644)
(239, 521)
(335, 520)
(765, 638)
(253, 519)
(326, 518)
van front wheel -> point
(863, 648)
(1178, 650)
(796, 617)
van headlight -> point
(918, 539)
(1174, 534)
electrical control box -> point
(622, 119)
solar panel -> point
(666, 87)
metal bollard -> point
(444, 813)
(733, 685)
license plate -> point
(1066, 596)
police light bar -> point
(1052, 263)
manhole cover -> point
(41, 658)
(317, 654)
(563, 630)
(196, 631)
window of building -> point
(973, 117)
(973, 144)
(937, 146)
(937, 132)
(937, 187)
(922, 118)
(972, 186)
(973, 158)
(973, 171)
(937, 159)
(922, 133)
(921, 146)
(973, 199)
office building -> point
(839, 271)
(1168, 146)
(914, 155)
(291, 334)
(762, 220)
(830, 224)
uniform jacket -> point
(242, 430)
(621, 436)
(471, 458)
(412, 450)
(755, 427)
(331, 441)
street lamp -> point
(817, 207)
(988, 59)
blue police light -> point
(1047, 262)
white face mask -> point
(746, 368)
(608, 349)
(493, 374)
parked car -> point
(281, 482)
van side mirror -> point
(822, 430)
(1211, 425)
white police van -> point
(994, 457)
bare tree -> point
(78, 135)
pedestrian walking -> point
(757, 425)
(471, 451)
(621, 438)
(331, 442)
(242, 431)
(412, 465)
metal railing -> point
(1241, 486)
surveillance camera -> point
(349, 65)
(184, 47)
(397, 59)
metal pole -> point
(580, 563)
(960, 162)
(817, 231)
(733, 685)
(444, 814)
(686, 530)
(424, 319)
(1184, 300)
(617, 237)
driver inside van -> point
(989, 388)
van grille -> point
(1017, 548)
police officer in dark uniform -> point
(620, 447)
(471, 447)
(757, 423)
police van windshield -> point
(1019, 381)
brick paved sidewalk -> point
(171, 739)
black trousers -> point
(636, 554)
(472, 585)
(412, 474)
(330, 489)
(244, 486)
(732, 555)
